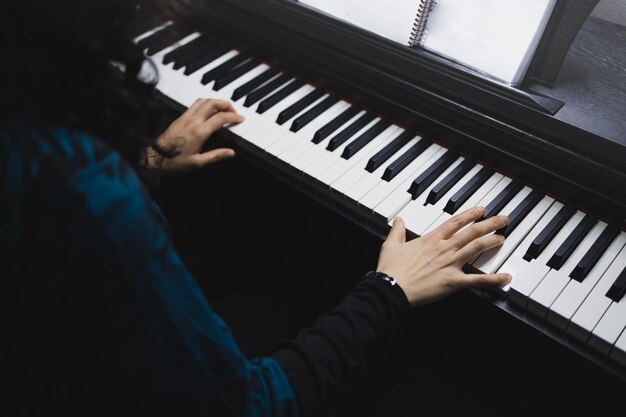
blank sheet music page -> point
(392, 19)
(497, 37)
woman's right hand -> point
(431, 267)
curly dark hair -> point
(56, 68)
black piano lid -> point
(497, 124)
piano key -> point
(234, 74)
(313, 113)
(360, 142)
(521, 212)
(618, 354)
(338, 122)
(341, 166)
(142, 39)
(591, 257)
(193, 47)
(317, 151)
(542, 298)
(575, 293)
(198, 56)
(366, 181)
(425, 214)
(617, 290)
(596, 303)
(393, 204)
(378, 199)
(465, 192)
(490, 261)
(267, 76)
(399, 164)
(612, 323)
(222, 69)
(354, 174)
(426, 178)
(304, 143)
(528, 275)
(273, 86)
(384, 154)
(164, 38)
(549, 232)
(297, 107)
(472, 201)
(502, 199)
(340, 138)
(450, 181)
(565, 250)
(275, 98)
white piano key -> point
(413, 211)
(338, 170)
(516, 263)
(527, 279)
(473, 201)
(490, 261)
(555, 282)
(597, 303)
(398, 191)
(619, 350)
(432, 211)
(575, 293)
(152, 31)
(369, 180)
(319, 150)
(307, 133)
(328, 159)
(610, 326)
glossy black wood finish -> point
(458, 108)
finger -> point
(216, 122)
(195, 106)
(203, 159)
(477, 230)
(397, 234)
(210, 107)
(487, 280)
(456, 223)
(478, 246)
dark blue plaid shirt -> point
(106, 319)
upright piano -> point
(375, 129)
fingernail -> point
(508, 277)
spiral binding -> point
(421, 20)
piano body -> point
(374, 129)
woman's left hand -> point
(187, 134)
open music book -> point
(495, 37)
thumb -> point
(212, 156)
(397, 234)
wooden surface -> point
(592, 81)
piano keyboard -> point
(568, 267)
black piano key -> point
(335, 124)
(170, 35)
(460, 197)
(360, 142)
(156, 37)
(617, 290)
(313, 113)
(278, 96)
(200, 57)
(341, 137)
(405, 159)
(223, 68)
(549, 232)
(204, 60)
(520, 212)
(502, 199)
(388, 151)
(258, 94)
(195, 46)
(426, 178)
(565, 250)
(439, 190)
(235, 74)
(254, 83)
(293, 110)
(590, 259)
